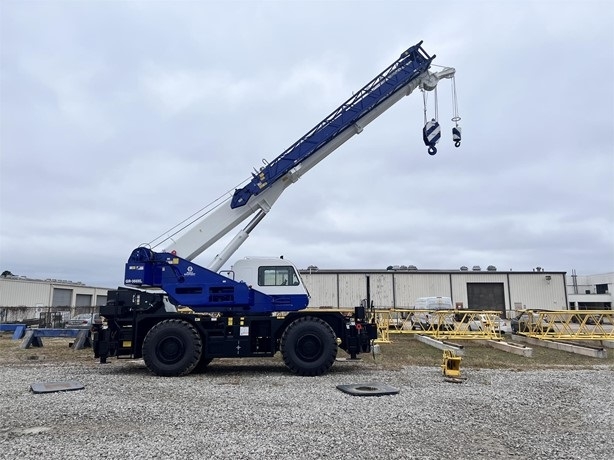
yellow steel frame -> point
(442, 324)
(456, 324)
(568, 324)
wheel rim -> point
(309, 347)
(170, 350)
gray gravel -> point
(256, 410)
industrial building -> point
(395, 287)
(590, 292)
(475, 289)
(23, 298)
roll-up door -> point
(486, 296)
(61, 297)
(83, 300)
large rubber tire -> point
(172, 348)
(309, 346)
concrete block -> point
(520, 350)
(30, 339)
(440, 345)
(577, 349)
(82, 340)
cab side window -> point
(277, 276)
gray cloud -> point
(119, 119)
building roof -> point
(423, 271)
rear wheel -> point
(309, 346)
(172, 348)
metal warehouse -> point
(22, 297)
(489, 289)
(505, 291)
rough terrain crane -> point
(178, 316)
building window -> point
(601, 288)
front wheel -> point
(309, 346)
(172, 348)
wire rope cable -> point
(193, 218)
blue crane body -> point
(259, 306)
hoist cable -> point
(456, 118)
(192, 219)
(425, 102)
(436, 104)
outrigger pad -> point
(368, 389)
(51, 387)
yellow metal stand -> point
(451, 366)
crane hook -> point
(431, 134)
(456, 135)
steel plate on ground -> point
(51, 387)
(368, 389)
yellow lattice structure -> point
(488, 325)
(443, 324)
(567, 324)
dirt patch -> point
(54, 350)
(403, 351)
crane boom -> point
(401, 78)
(410, 65)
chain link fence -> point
(43, 316)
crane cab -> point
(271, 276)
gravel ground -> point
(256, 410)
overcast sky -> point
(121, 118)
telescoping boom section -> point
(412, 64)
